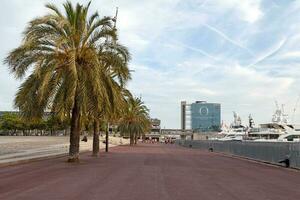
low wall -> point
(271, 152)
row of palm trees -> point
(75, 67)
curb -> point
(49, 157)
(28, 160)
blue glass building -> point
(205, 116)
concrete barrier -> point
(270, 152)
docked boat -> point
(236, 131)
(278, 130)
(273, 130)
(292, 136)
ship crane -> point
(276, 103)
(251, 121)
(279, 116)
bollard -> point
(286, 162)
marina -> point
(278, 130)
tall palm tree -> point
(134, 119)
(66, 53)
(114, 115)
(114, 57)
(144, 127)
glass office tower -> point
(201, 116)
(205, 116)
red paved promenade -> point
(156, 172)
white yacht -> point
(293, 136)
(236, 131)
(273, 130)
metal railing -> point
(271, 152)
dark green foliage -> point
(135, 120)
(13, 123)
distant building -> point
(200, 116)
(183, 115)
(155, 125)
(155, 130)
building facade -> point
(183, 115)
(155, 125)
(201, 116)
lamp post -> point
(114, 19)
(106, 137)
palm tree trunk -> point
(131, 138)
(74, 134)
(96, 138)
(135, 138)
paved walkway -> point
(149, 172)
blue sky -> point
(242, 54)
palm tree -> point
(144, 127)
(135, 119)
(114, 57)
(114, 115)
(69, 75)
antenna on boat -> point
(294, 110)
(279, 116)
(276, 103)
(251, 121)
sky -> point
(242, 54)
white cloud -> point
(291, 54)
(204, 53)
(227, 38)
(249, 10)
(268, 53)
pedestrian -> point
(84, 139)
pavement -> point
(20, 149)
(149, 172)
